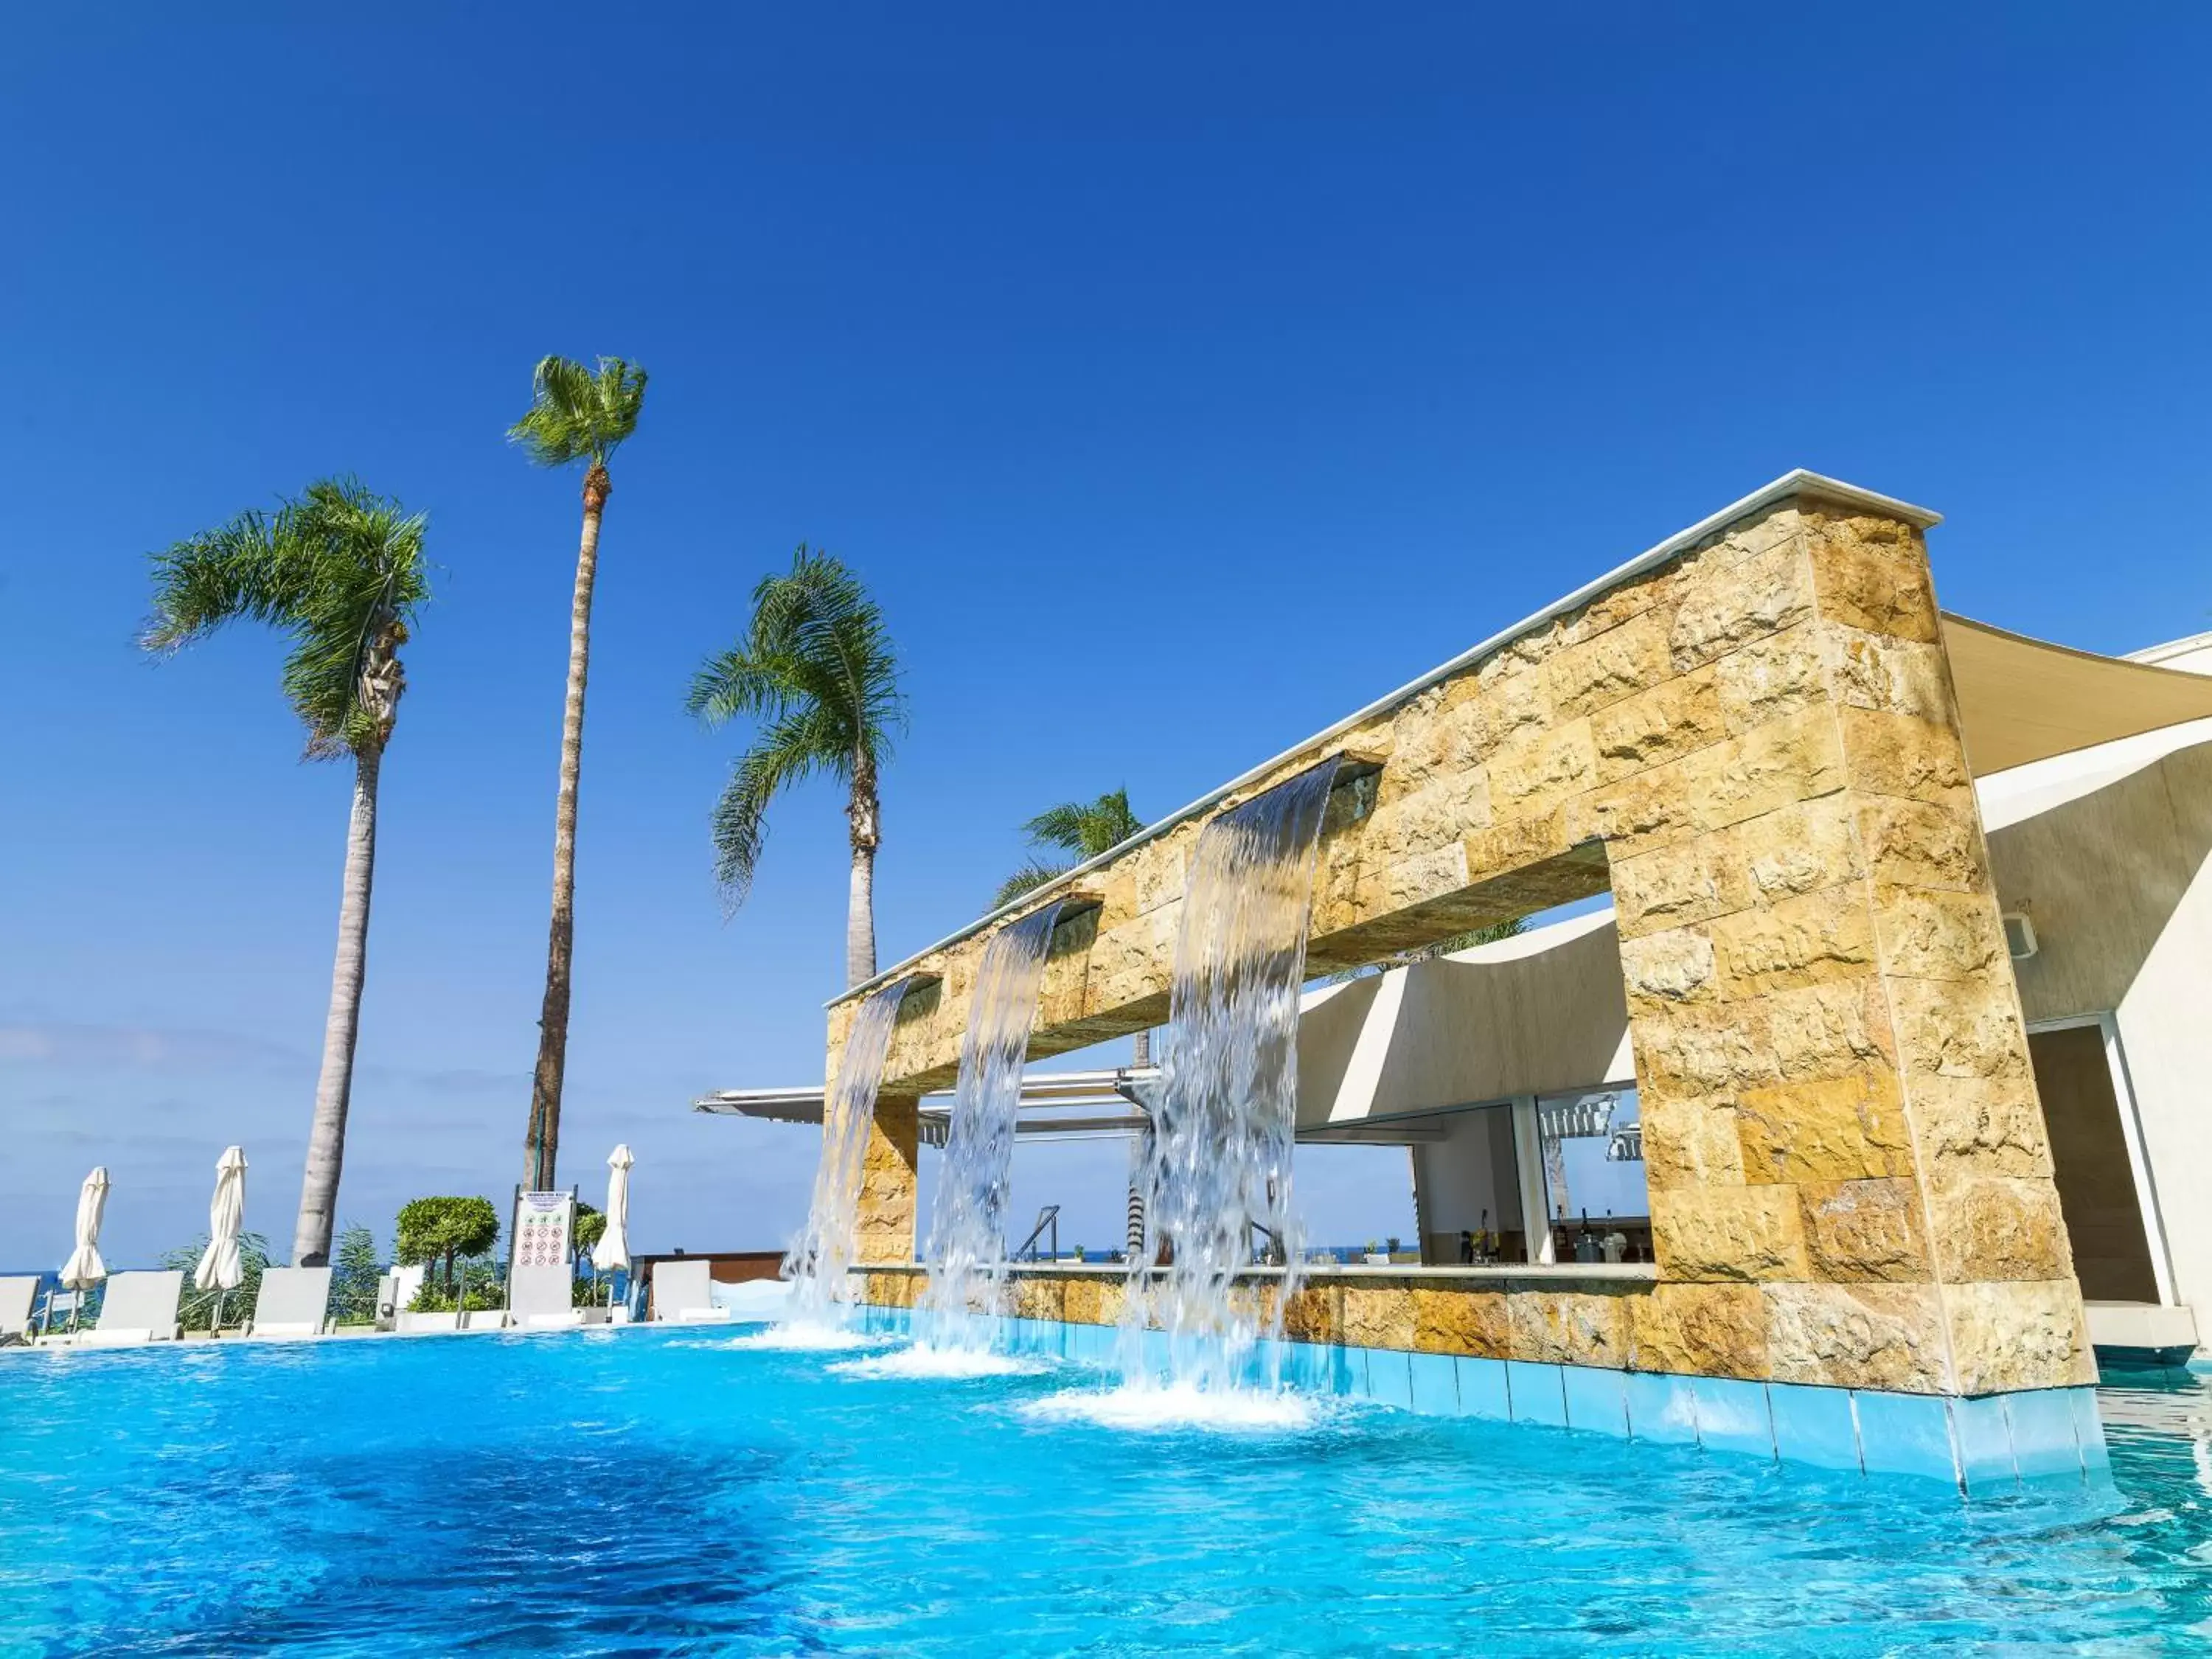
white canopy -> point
(84, 1268)
(612, 1251)
(220, 1268)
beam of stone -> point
(1753, 741)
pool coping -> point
(1987, 1445)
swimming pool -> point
(646, 1494)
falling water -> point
(967, 1221)
(1219, 1157)
(821, 1254)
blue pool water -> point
(642, 1494)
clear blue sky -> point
(1178, 382)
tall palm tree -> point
(340, 572)
(816, 674)
(576, 414)
(1083, 830)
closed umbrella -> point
(612, 1251)
(220, 1269)
(84, 1268)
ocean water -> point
(650, 1493)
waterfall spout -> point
(820, 1258)
(967, 1251)
(1217, 1170)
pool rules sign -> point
(543, 1222)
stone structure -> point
(1750, 735)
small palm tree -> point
(341, 572)
(816, 674)
(576, 414)
(1083, 830)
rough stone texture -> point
(1756, 743)
(2002, 1333)
(1730, 1232)
(1704, 1330)
(1377, 1316)
(1997, 1227)
(1865, 1229)
(1846, 1128)
(885, 1220)
(1859, 1336)
(1477, 1321)
(1570, 1327)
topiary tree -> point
(432, 1229)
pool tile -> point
(1597, 1400)
(1389, 1378)
(1482, 1390)
(1815, 1425)
(1319, 1368)
(2044, 1448)
(1436, 1385)
(1662, 1408)
(1904, 1434)
(1985, 1445)
(1539, 1393)
(2089, 1436)
(1733, 1416)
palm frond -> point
(339, 570)
(580, 414)
(1027, 879)
(1086, 828)
(790, 750)
(815, 672)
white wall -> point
(2111, 868)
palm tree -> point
(817, 675)
(340, 572)
(576, 414)
(1083, 830)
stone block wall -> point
(1755, 744)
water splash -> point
(1147, 1406)
(820, 1258)
(1218, 1160)
(967, 1250)
(924, 1361)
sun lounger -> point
(137, 1308)
(15, 1298)
(293, 1302)
(682, 1294)
(543, 1299)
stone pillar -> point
(884, 1220)
(1850, 1181)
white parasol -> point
(612, 1251)
(220, 1268)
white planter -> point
(415, 1324)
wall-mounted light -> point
(2019, 935)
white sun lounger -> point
(543, 1299)
(15, 1297)
(293, 1302)
(682, 1294)
(137, 1308)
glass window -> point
(1598, 1204)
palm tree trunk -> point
(318, 1189)
(542, 1145)
(863, 814)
